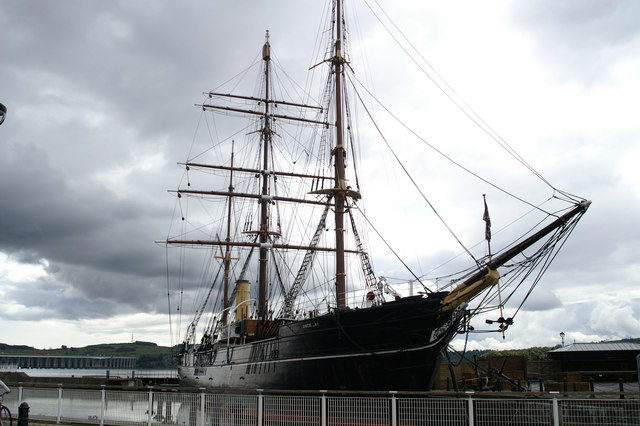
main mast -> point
(264, 202)
(339, 153)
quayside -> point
(274, 212)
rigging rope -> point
(435, 268)
(465, 108)
(562, 239)
(409, 175)
(451, 160)
(166, 253)
(541, 260)
(392, 250)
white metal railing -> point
(358, 410)
(441, 411)
(102, 406)
(528, 412)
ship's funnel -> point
(243, 293)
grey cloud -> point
(542, 300)
(51, 299)
(579, 39)
(96, 87)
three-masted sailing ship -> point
(287, 317)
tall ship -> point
(289, 297)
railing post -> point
(59, 415)
(621, 387)
(103, 404)
(323, 408)
(23, 415)
(150, 406)
(470, 407)
(202, 398)
(259, 406)
(394, 408)
(556, 412)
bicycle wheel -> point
(5, 417)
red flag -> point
(487, 219)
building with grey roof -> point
(604, 361)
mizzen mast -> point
(227, 254)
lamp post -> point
(562, 337)
(3, 113)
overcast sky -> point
(100, 98)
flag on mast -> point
(487, 220)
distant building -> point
(600, 361)
(16, 361)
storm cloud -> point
(101, 107)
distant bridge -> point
(67, 361)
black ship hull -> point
(394, 346)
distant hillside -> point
(541, 352)
(627, 340)
(9, 349)
(538, 353)
(148, 354)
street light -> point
(562, 337)
(3, 113)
